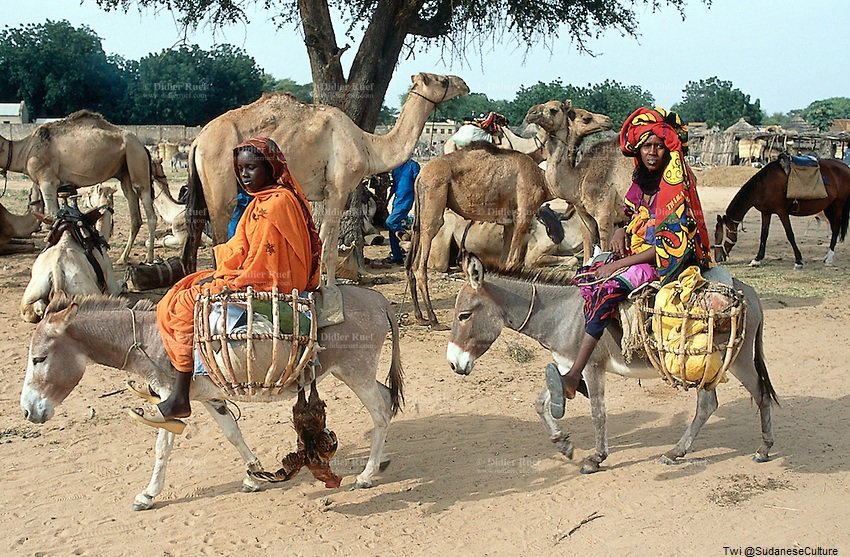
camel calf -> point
(480, 183)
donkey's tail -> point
(765, 385)
(196, 216)
(395, 378)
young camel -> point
(597, 184)
(326, 151)
(480, 185)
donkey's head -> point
(55, 363)
(478, 320)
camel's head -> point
(561, 119)
(438, 88)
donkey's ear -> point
(474, 271)
(719, 219)
(55, 323)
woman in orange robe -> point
(275, 244)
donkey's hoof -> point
(668, 459)
(250, 487)
(589, 468)
(565, 447)
(142, 502)
(798, 266)
(759, 457)
(755, 263)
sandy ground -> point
(472, 471)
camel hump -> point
(82, 117)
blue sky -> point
(785, 55)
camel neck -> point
(20, 152)
(391, 150)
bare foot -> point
(570, 385)
(174, 409)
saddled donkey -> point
(548, 310)
(113, 333)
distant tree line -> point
(58, 68)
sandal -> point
(144, 392)
(557, 404)
(172, 425)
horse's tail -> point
(395, 378)
(765, 385)
(196, 216)
(845, 219)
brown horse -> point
(766, 192)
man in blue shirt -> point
(402, 187)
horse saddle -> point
(805, 180)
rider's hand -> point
(618, 243)
(605, 271)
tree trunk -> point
(362, 95)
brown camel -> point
(327, 153)
(481, 183)
(534, 147)
(84, 149)
(13, 230)
(597, 184)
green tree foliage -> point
(777, 118)
(717, 102)
(58, 68)
(614, 99)
(302, 92)
(393, 27)
(192, 86)
(821, 113)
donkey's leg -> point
(789, 233)
(376, 399)
(594, 376)
(765, 230)
(164, 444)
(556, 435)
(706, 405)
(218, 410)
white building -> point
(14, 113)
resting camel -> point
(534, 147)
(13, 230)
(84, 149)
(69, 263)
(485, 239)
(327, 153)
(597, 184)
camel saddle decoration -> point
(316, 443)
(805, 180)
(81, 227)
(690, 330)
